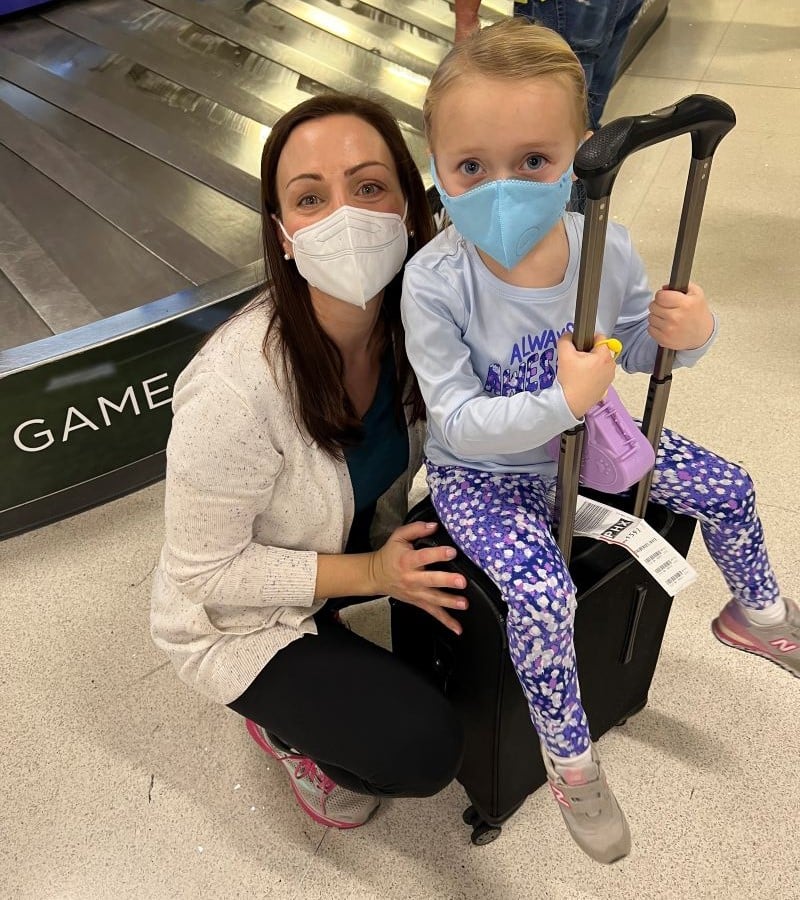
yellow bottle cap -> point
(613, 345)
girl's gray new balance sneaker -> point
(777, 643)
(325, 801)
(590, 810)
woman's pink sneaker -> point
(325, 801)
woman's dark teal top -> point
(379, 459)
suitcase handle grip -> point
(598, 160)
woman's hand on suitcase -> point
(680, 321)
(584, 377)
(398, 570)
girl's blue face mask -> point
(507, 218)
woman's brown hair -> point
(311, 360)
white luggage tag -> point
(656, 555)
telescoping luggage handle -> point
(597, 164)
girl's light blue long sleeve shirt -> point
(485, 352)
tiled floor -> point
(118, 782)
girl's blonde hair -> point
(516, 50)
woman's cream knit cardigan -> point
(250, 502)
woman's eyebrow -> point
(315, 176)
(363, 165)
(312, 175)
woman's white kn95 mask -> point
(352, 254)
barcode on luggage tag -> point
(653, 552)
(588, 519)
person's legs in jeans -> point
(596, 31)
(604, 67)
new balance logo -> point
(559, 795)
(783, 645)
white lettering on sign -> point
(73, 413)
(31, 438)
(46, 434)
(103, 403)
(150, 393)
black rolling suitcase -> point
(622, 611)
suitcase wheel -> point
(470, 816)
(482, 832)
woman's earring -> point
(411, 233)
(286, 256)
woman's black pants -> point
(368, 720)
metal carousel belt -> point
(130, 141)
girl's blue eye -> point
(370, 189)
(470, 167)
(534, 162)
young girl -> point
(486, 306)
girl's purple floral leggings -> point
(502, 520)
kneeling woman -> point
(296, 435)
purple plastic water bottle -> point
(615, 452)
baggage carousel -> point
(130, 141)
